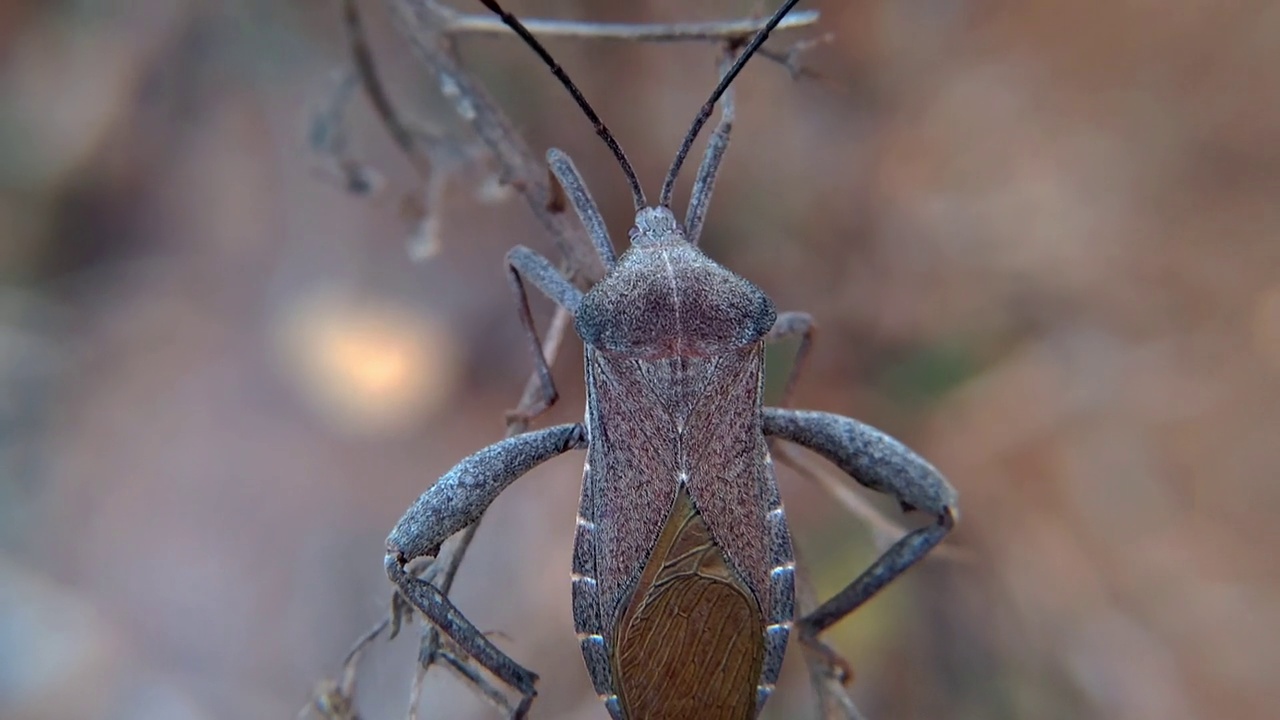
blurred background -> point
(1041, 240)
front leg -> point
(525, 264)
(455, 501)
(885, 465)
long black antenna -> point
(601, 129)
(664, 200)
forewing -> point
(634, 458)
(728, 477)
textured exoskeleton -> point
(683, 573)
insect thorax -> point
(664, 298)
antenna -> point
(664, 200)
(602, 130)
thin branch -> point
(721, 30)
(327, 139)
(829, 673)
(336, 699)
(519, 168)
(362, 57)
(790, 59)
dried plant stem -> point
(717, 31)
(362, 58)
(517, 165)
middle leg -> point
(791, 325)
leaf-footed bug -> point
(683, 573)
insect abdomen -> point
(690, 642)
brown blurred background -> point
(1041, 238)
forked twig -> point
(445, 22)
(362, 58)
(428, 154)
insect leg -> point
(885, 465)
(789, 325)
(456, 500)
(580, 197)
(705, 181)
(525, 264)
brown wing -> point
(690, 641)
